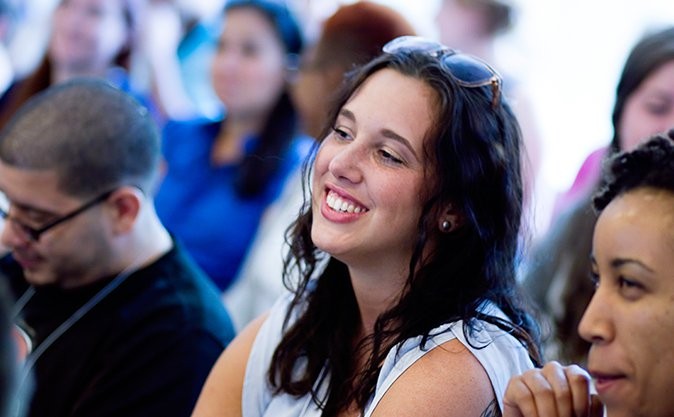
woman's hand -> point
(551, 391)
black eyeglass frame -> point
(35, 233)
(450, 59)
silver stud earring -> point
(446, 226)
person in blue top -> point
(222, 175)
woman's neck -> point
(228, 147)
(377, 289)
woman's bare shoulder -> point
(447, 381)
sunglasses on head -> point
(468, 71)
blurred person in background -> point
(222, 175)
(352, 36)
(473, 27)
(179, 41)
(89, 38)
(558, 271)
(7, 22)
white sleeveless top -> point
(501, 355)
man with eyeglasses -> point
(120, 321)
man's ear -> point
(450, 219)
(125, 204)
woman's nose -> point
(595, 325)
(346, 163)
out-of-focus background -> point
(566, 55)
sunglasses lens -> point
(412, 43)
(470, 71)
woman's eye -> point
(390, 157)
(658, 109)
(250, 50)
(340, 133)
(627, 283)
(630, 289)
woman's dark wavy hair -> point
(649, 165)
(474, 163)
(278, 131)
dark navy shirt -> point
(144, 350)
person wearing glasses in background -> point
(415, 205)
(121, 321)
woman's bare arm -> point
(221, 394)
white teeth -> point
(336, 203)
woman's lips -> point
(340, 208)
(606, 382)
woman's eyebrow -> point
(619, 262)
(388, 133)
(348, 114)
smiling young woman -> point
(402, 265)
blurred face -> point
(460, 24)
(630, 319)
(369, 172)
(309, 95)
(88, 35)
(249, 67)
(69, 254)
(650, 108)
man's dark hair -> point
(94, 136)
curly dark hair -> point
(474, 152)
(649, 165)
